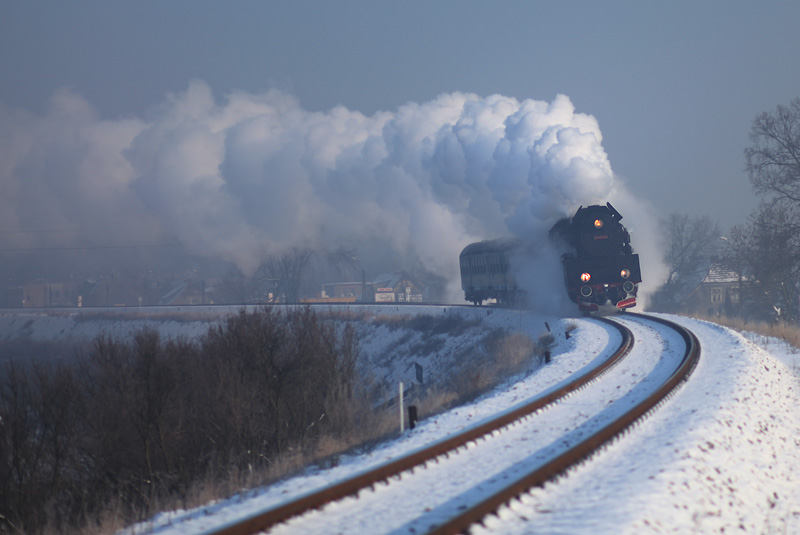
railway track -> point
(464, 448)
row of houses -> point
(393, 287)
(713, 291)
(106, 292)
(109, 292)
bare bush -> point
(143, 420)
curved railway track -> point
(587, 447)
(447, 447)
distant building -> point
(719, 293)
(397, 287)
(188, 292)
(340, 292)
(42, 295)
(390, 287)
(111, 290)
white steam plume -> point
(254, 174)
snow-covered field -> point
(723, 455)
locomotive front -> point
(603, 271)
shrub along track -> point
(450, 446)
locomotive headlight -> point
(585, 277)
(598, 223)
(625, 273)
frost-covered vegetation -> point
(110, 432)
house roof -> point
(391, 280)
(718, 273)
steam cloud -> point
(257, 173)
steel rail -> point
(263, 520)
(583, 450)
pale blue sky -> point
(674, 85)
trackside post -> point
(402, 411)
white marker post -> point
(402, 423)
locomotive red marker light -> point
(585, 277)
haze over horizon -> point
(160, 108)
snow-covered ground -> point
(723, 455)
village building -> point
(42, 295)
(397, 287)
(393, 287)
(719, 293)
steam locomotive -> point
(600, 267)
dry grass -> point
(517, 349)
(109, 520)
(508, 354)
(788, 333)
(326, 453)
(435, 401)
(184, 315)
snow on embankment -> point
(393, 346)
(76, 324)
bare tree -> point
(773, 161)
(767, 247)
(236, 288)
(287, 269)
(690, 242)
(767, 251)
(344, 261)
